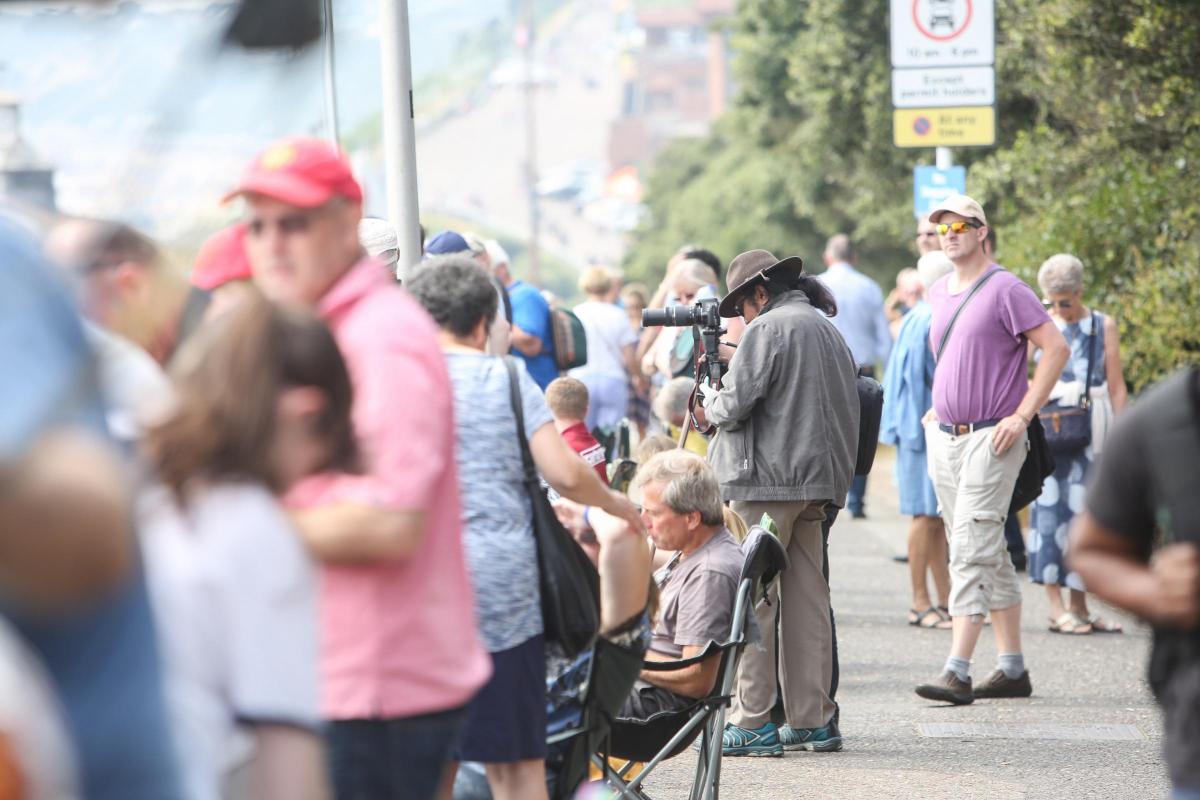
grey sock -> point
(1012, 665)
(959, 666)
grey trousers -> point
(793, 621)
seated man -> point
(697, 585)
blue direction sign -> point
(932, 185)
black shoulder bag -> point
(1039, 463)
(568, 582)
(1069, 428)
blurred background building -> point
(24, 177)
(674, 67)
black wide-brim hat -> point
(752, 268)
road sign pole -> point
(943, 157)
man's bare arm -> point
(1055, 353)
(1164, 592)
(526, 343)
(696, 680)
(355, 533)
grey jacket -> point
(787, 413)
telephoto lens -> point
(671, 317)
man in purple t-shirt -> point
(976, 438)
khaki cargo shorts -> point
(974, 486)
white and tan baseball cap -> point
(959, 204)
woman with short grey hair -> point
(1061, 274)
(506, 722)
(1093, 337)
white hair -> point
(932, 266)
(671, 402)
(496, 253)
(688, 484)
(1061, 274)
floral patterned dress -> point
(1063, 492)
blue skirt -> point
(917, 497)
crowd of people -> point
(287, 525)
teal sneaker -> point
(820, 740)
(762, 741)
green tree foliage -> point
(1099, 138)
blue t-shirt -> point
(103, 660)
(497, 518)
(531, 313)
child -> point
(568, 401)
(263, 400)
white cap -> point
(378, 238)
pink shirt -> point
(982, 374)
(398, 639)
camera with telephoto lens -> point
(703, 314)
(705, 319)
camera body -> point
(704, 317)
(704, 314)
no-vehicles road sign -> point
(943, 33)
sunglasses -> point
(1063, 304)
(958, 227)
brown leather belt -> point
(963, 428)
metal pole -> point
(399, 135)
(331, 114)
(531, 173)
(943, 158)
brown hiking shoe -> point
(949, 689)
(1000, 685)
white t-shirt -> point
(608, 330)
(234, 598)
(136, 388)
(32, 725)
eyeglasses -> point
(958, 227)
(924, 234)
(288, 224)
(1063, 304)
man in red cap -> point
(401, 655)
(223, 270)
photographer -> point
(787, 419)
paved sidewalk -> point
(1083, 686)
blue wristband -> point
(586, 521)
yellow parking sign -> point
(944, 127)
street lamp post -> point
(531, 176)
(399, 134)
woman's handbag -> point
(1069, 428)
(568, 582)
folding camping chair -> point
(669, 733)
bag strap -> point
(1086, 400)
(974, 290)
(514, 393)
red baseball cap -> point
(300, 172)
(222, 258)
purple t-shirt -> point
(983, 372)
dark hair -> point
(456, 291)
(228, 380)
(708, 257)
(112, 243)
(817, 292)
(990, 238)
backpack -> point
(570, 339)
